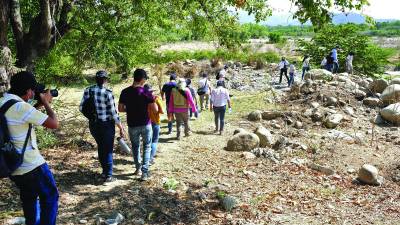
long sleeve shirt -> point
(189, 99)
(335, 55)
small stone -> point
(333, 120)
(280, 143)
(331, 101)
(298, 125)
(255, 116)
(323, 169)
(351, 170)
(349, 111)
(368, 174)
(83, 221)
(16, 221)
(248, 155)
(314, 105)
(270, 115)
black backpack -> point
(89, 107)
(10, 158)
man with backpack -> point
(283, 67)
(30, 172)
(204, 91)
(165, 95)
(102, 122)
(136, 101)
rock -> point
(391, 94)
(239, 130)
(115, 219)
(276, 126)
(229, 203)
(359, 95)
(395, 81)
(83, 221)
(372, 102)
(318, 74)
(340, 135)
(243, 141)
(265, 136)
(391, 113)
(248, 155)
(16, 221)
(307, 87)
(349, 111)
(378, 86)
(368, 174)
(280, 143)
(333, 120)
(314, 105)
(298, 162)
(298, 125)
(323, 169)
(238, 64)
(255, 116)
(317, 115)
(363, 83)
(331, 101)
(270, 115)
(378, 120)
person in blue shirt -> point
(165, 94)
(335, 59)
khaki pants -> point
(204, 99)
(182, 118)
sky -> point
(378, 9)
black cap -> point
(101, 74)
(172, 76)
(23, 80)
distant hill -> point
(286, 19)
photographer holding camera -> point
(38, 191)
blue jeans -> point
(134, 134)
(104, 134)
(335, 67)
(329, 67)
(39, 196)
(305, 68)
(196, 114)
(219, 117)
(154, 141)
(291, 79)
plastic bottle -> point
(123, 146)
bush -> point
(45, 138)
(276, 38)
(369, 59)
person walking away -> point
(180, 102)
(135, 101)
(329, 62)
(221, 75)
(219, 99)
(165, 94)
(306, 66)
(283, 67)
(155, 122)
(323, 63)
(335, 59)
(102, 128)
(292, 73)
(204, 91)
(349, 62)
(36, 184)
(193, 92)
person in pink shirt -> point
(180, 101)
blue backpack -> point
(10, 157)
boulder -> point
(391, 113)
(378, 86)
(318, 74)
(363, 83)
(359, 94)
(255, 116)
(391, 94)
(372, 102)
(270, 115)
(378, 120)
(243, 141)
(395, 81)
(333, 120)
(265, 136)
(239, 130)
(331, 101)
(369, 174)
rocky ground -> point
(294, 159)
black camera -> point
(41, 88)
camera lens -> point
(54, 92)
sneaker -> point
(151, 162)
(110, 179)
(137, 172)
(101, 178)
(178, 138)
(145, 177)
(221, 132)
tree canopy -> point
(121, 32)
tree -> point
(119, 32)
(369, 59)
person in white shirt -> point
(306, 65)
(283, 67)
(222, 75)
(204, 91)
(219, 99)
(292, 73)
(349, 62)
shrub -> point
(369, 59)
(276, 38)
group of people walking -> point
(330, 63)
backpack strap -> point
(28, 135)
(6, 106)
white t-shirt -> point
(306, 62)
(349, 59)
(292, 69)
(219, 96)
(282, 64)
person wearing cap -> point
(180, 102)
(204, 91)
(193, 92)
(155, 122)
(136, 102)
(219, 99)
(103, 127)
(38, 190)
(165, 94)
(335, 59)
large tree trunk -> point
(4, 13)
